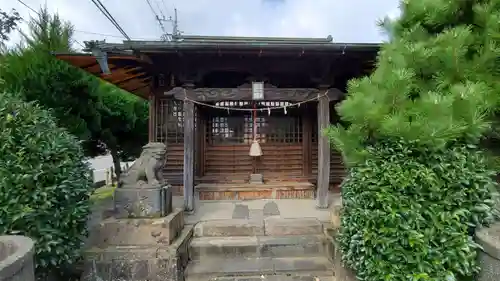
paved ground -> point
(256, 209)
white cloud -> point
(346, 20)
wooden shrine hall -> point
(241, 116)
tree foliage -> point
(434, 83)
(8, 22)
(413, 129)
(124, 123)
(44, 183)
(101, 115)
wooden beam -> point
(189, 147)
(323, 181)
(245, 93)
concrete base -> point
(143, 202)
(138, 249)
(137, 232)
(138, 263)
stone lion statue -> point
(147, 169)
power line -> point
(108, 15)
(76, 30)
(160, 9)
(110, 35)
(156, 16)
(26, 5)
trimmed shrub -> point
(44, 183)
(408, 210)
(418, 184)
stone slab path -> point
(256, 209)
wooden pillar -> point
(189, 147)
(306, 142)
(200, 143)
(323, 151)
(152, 117)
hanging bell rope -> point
(255, 149)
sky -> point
(347, 21)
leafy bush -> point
(417, 184)
(44, 183)
(408, 209)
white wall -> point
(100, 164)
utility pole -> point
(176, 33)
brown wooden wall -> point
(231, 162)
(227, 160)
(337, 169)
(174, 165)
(280, 161)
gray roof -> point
(194, 42)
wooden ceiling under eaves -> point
(128, 72)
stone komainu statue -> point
(146, 172)
(142, 192)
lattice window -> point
(226, 127)
(231, 129)
(280, 129)
(170, 121)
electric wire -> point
(108, 15)
(156, 16)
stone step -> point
(271, 226)
(278, 277)
(258, 246)
(215, 267)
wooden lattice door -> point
(230, 134)
(279, 132)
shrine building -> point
(241, 116)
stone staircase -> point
(268, 249)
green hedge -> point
(408, 211)
(44, 183)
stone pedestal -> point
(138, 249)
(146, 239)
(138, 232)
(148, 202)
(489, 257)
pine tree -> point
(417, 183)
